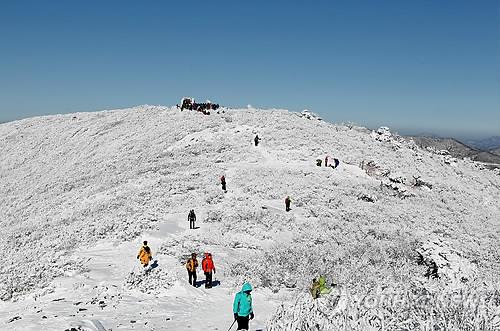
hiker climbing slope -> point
(287, 203)
(223, 183)
(242, 307)
(208, 268)
(191, 219)
(191, 265)
(319, 287)
(145, 255)
(256, 140)
(315, 288)
(336, 163)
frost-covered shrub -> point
(403, 307)
(383, 287)
(6, 291)
(246, 213)
(150, 281)
(214, 198)
(214, 216)
(380, 256)
(367, 197)
(417, 182)
(181, 248)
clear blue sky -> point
(416, 66)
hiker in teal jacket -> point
(242, 307)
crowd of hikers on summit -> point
(203, 107)
(242, 305)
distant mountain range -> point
(460, 150)
(488, 144)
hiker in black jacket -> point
(256, 140)
(191, 219)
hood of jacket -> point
(246, 287)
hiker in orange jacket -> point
(145, 255)
(191, 266)
(208, 268)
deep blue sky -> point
(416, 66)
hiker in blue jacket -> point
(242, 307)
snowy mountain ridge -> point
(80, 192)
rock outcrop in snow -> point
(446, 262)
(306, 113)
(382, 134)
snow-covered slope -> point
(80, 192)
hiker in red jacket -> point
(208, 268)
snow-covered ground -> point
(80, 192)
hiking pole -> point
(231, 325)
